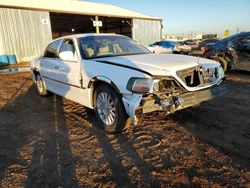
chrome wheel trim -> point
(106, 108)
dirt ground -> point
(53, 142)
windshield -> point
(108, 46)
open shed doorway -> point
(66, 24)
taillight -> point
(204, 49)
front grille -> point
(198, 76)
(192, 77)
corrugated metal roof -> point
(74, 7)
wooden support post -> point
(97, 27)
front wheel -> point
(109, 109)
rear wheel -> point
(109, 109)
(40, 85)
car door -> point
(61, 72)
(68, 70)
(49, 64)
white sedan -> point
(162, 47)
(114, 75)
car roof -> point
(232, 37)
(236, 35)
(88, 35)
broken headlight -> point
(142, 85)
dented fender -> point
(131, 103)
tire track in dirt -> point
(148, 156)
(117, 145)
(148, 153)
(161, 151)
(144, 140)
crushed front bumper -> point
(180, 101)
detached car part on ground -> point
(115, 76)
(232, 52)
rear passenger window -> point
(51, 50)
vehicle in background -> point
(206, 48)
(176, 49)
(193, 43)
(185, 47)
(163, 46)
(207, 42)
(181, 48)
(232, 52)
(203, 46)
(115, 76)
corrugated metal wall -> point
(146, 31)
(24, 33)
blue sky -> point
(196, 16)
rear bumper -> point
(182, 101)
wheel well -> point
(96, 83)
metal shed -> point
(27, 26)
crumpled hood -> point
(159, 64)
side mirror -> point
(66, 56)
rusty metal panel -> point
(24, 33)
(146, 31)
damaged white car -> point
(115, 76)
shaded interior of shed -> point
(65, 24)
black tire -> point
(120, 121)
(223, 63)
(40, 86)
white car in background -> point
(114, 75)
(181, 48)
(162, 47)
